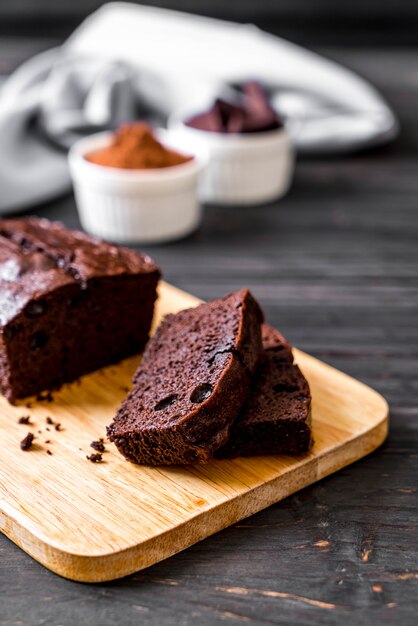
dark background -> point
(335, 266)
(342, 22)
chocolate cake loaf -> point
(277, 417)
(69, 304)
(193, 379)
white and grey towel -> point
(127, 61)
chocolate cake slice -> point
(277, 417)
(69, 304)
(193, 379)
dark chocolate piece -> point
(193, 379)
(69, 304)
(251, 113)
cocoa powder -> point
(134, 146)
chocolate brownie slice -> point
(69, 304)
(193, 379)
(277, 417)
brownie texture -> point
(277, 416)
(69, 304)
(193, 379)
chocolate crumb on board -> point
(26, 443)
(47, 441)
(49, 420)
(25, 419)
(49, 452)
(58, 426)
(98, 445)
(94, 458)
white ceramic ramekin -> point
(242, 169)
(127, 206)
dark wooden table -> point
(335, 265)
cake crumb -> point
(47, 441)
(49, 452)
(49, 420)
(58, 426)
(26, 443)
(98, 445)
(25, 419)
(94, 458)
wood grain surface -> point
(98, 522)
(335, 267)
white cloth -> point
(127, 61)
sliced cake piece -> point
(69, 304)
(277, 416)
(193, 379)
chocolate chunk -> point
(201, 393)
(36, 308)
(250, 113)
(166, 402)
(38, 340)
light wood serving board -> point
(97, 522)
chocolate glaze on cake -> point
(193, 379)
(277, 417)
(69, 304)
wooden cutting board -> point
(97, 522)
